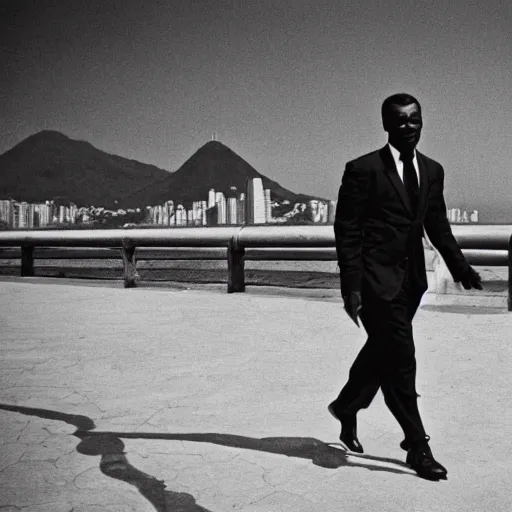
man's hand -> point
(471, 279)
(353, 305)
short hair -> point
(402, 99)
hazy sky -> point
(293, 86)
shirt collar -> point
(396, 154)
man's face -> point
(403, 125)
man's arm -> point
(350, 211)
(440, 234)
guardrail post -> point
(441, 273)
(27, 260)
(129, 263)
(236, 263)
(509, 301)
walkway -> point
(167, 399)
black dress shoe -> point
(405, 445)
(420, 458)
(348, 435)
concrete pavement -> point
(180, 399)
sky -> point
(293, 86)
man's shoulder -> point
(428, 161)
(366, 160)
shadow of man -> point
(326, 455)
(114, 463)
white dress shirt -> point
(400, 165)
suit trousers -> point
(387, 361)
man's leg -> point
(358, 392)
(363, 381)
(397, 370)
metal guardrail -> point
(509, 298)
(481, 244)
(476, 236)
(179, 237)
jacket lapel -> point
(392, 174)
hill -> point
(213, 165)
(50, 165)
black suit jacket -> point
(377, 235)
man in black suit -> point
(386, 200)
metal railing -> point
(482, 245)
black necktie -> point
(410, 180)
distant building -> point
(459, 216)
(323, 211)
(268, 205)
(220, 200)
(6, 211)
(199, 208)
(240, 209)
(211, 198)
(181, 215)
(232, 210)
(332, 212)
(255, 202)
(314, 210)
(23, 214)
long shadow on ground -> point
(114, 463)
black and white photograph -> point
(255, 256)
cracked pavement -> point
(198, 401)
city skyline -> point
(255, 206)
(294, 88)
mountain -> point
(213, 165)
(50, 165)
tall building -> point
(332, 212)
(458, 215)
(204, 207)
(31, 215)
(268, 205)
(168, 212)
(232, 207)
(454, 215)
(45, 214)
(255, 202)
(15, 215)
(231, 210)
(62, 214)
(323, 212)
(181, 215)
(220, 200)
(199, 208)
(240, 209)
(23, 210)
(211, 198)
(165, 216)
(314, 208)
(6, 211)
